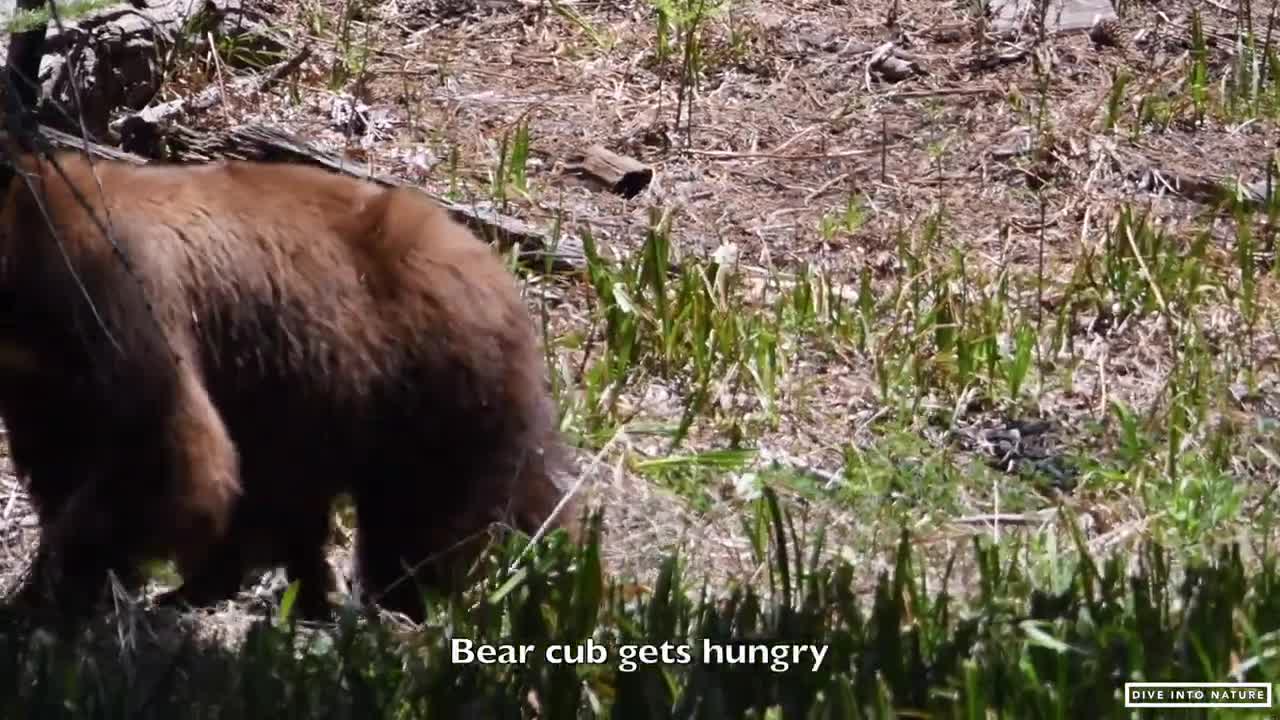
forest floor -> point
(925, 274)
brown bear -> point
(196, 360)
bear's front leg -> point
(169, 491)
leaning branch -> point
(262, 143)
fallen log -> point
(102, 60)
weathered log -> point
(160, 22)
(619, 174)
(1060, 16)
(106, 59)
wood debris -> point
(1061, 16)
(893, 64)
(617, 173)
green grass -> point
(938, 340)
(1243, 87)
(1050, 638)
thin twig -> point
(222, 85)
(1004, 518)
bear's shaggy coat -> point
(196, 360)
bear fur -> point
(195, 361)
